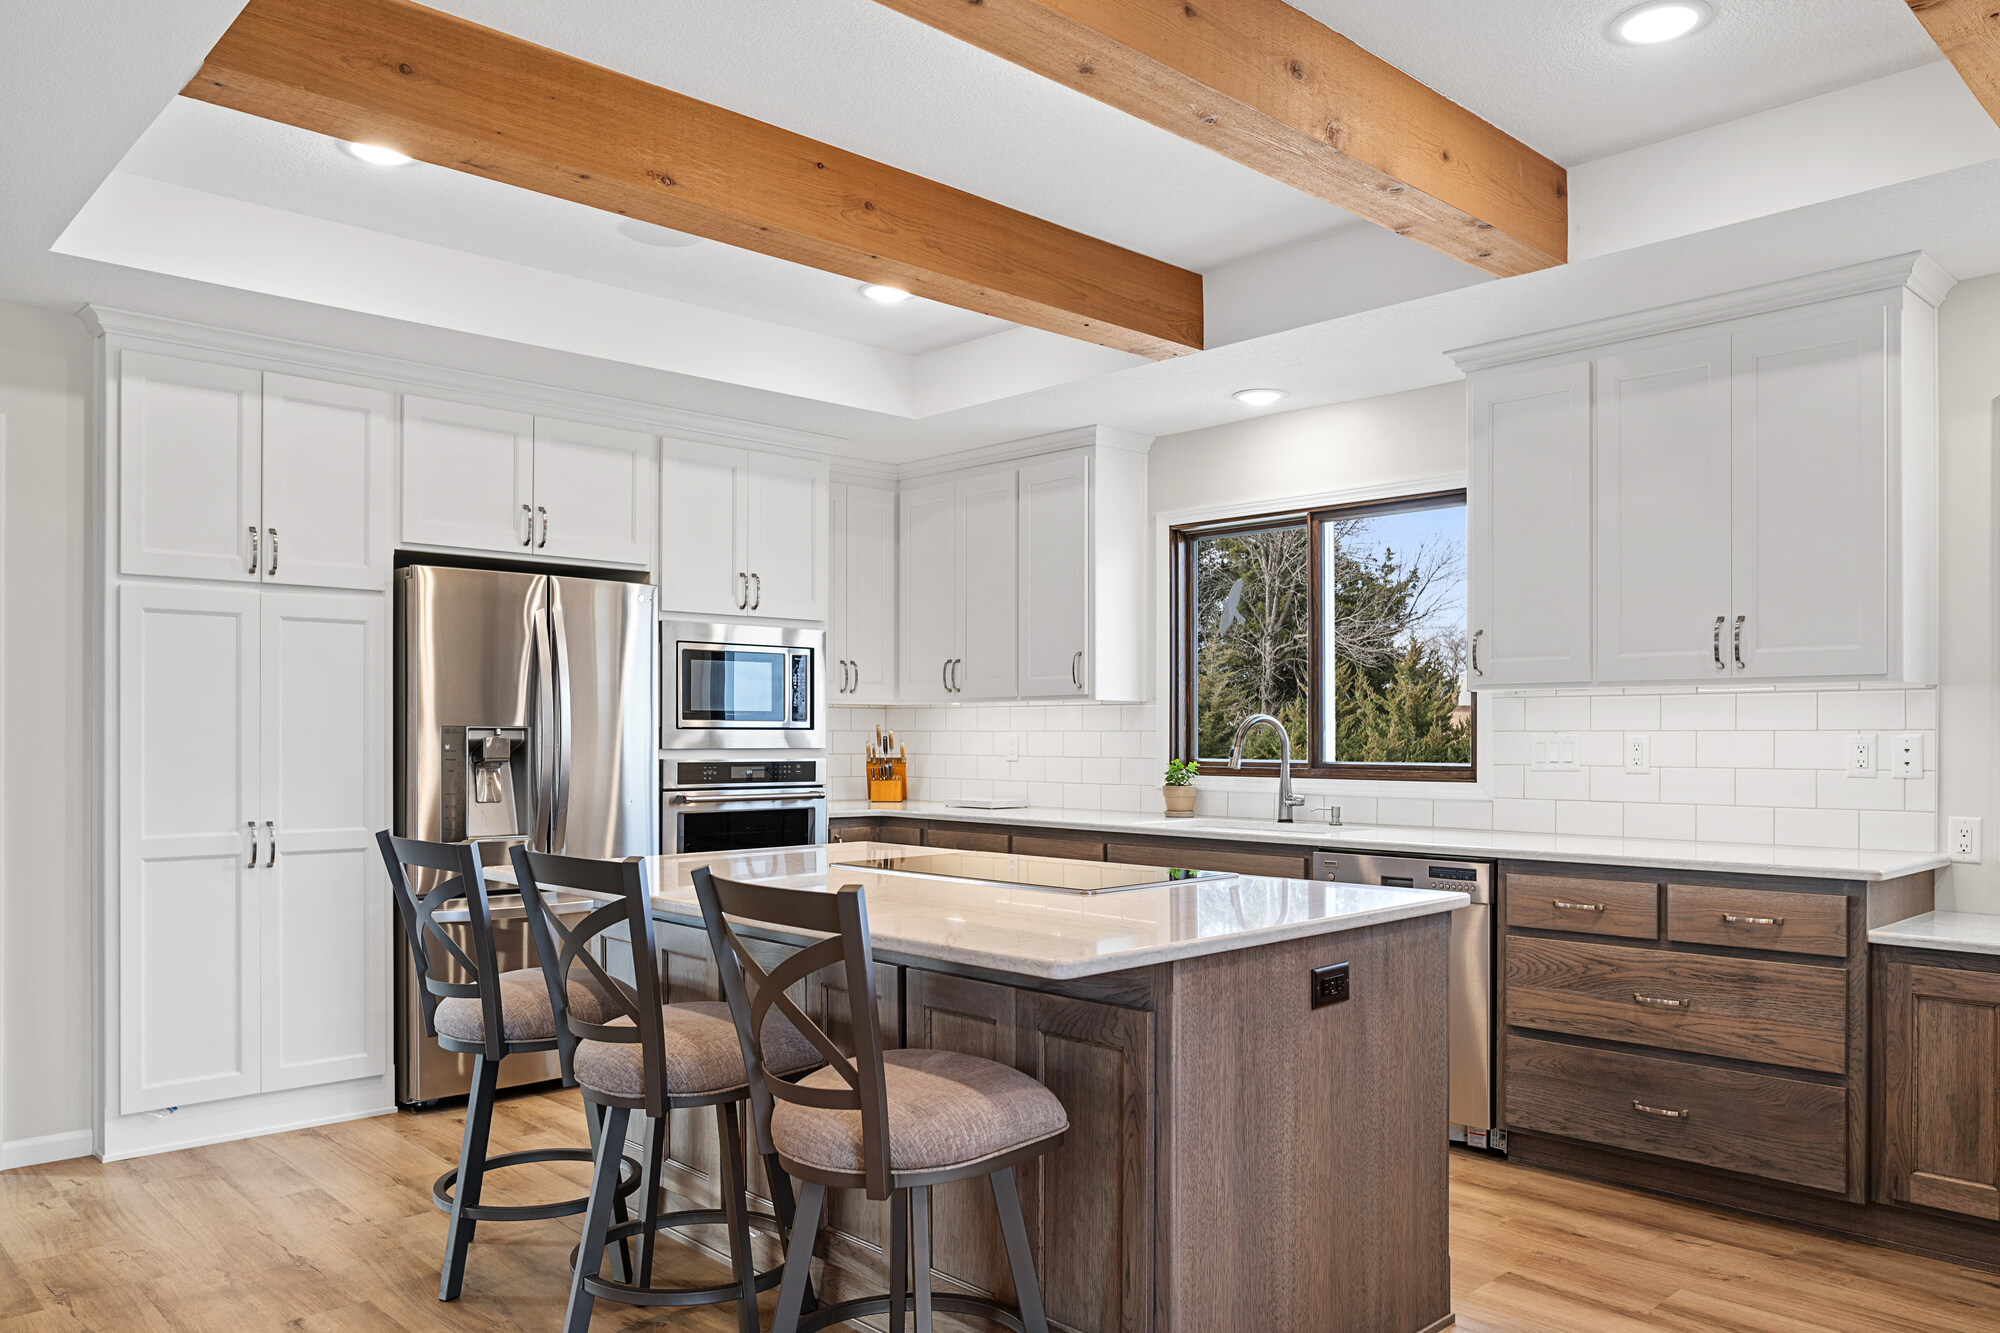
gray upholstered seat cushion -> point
(945, 1110)
(703, 1056)
(525, 1011)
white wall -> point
(45, 895)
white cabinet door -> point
(1528, 528)
(701, 525)
(190, 928)
(927, 591)
(862, 619)
(326, 929)
(785, 546)
(1812, 495)
(468, 475)
(189, 457)
(327, 458)
(989, 631)
(1663, 512)
(1055, 543)
(593, 493)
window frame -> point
(1183, 728)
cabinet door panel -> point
(1812, 495)
(1663, 512)
(1055, 541)
(326, 928)
(785, 538)
(593, 493)
(1941, 1137)
(862, 618)
(702, 569)
(468, 475)
(1528, 528)
(189, 460)
(189, 926)
(327, 460)
(988, 608)
(927, 592)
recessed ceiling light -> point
(875, 291)
(1259, 397)
(1649, 25)
(377, 155)
(651, 233)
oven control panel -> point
(788, 772)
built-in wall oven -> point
(725, 804)
(741, 687)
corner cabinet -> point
(743, 533)
(1939, 1054)
(861, 623)
(1747, 491)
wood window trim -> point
(1183, 724)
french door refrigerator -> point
(524, 713)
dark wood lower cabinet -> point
(1940, 1072)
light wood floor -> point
(332, 1231)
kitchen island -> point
(1239, 1156)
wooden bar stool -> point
(490, 1015)
(925, 1118)
(653, 1057)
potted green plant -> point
(1179, 788)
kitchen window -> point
(1347, 624)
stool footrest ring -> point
(630, 1293)
(441, 1189)
(829, 1315)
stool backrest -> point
(752, 991)
(464, 882)
(628, 886)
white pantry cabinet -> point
(861, 623)
(743, 533)
(243, 476)
(958, 599)
(252, 919)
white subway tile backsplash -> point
(1920, 793)
(1504, 712)
(1625, 712)
(1775, 786)
(1601, 749)
(1837, 791)
(1698, 786)
(1404, 810)
(1860, 710)
(1818, 828)
(1507, 747)
(1557, 786)
(1615, 784)
(1733, 823)
(1898, 830)
(1655, 820)
(1672, 749)
(1504, 779)
(1590, 819)
(1777, 710)
(1920, 710)
(1733, 749)
(1558, 712)
(1525, 816)
(1103, 719)
(1462, 814)
(1079, 744)
(1697, 712)
(1809, 749)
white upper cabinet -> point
(328, 453)
(861, 621)
(1528, 528)
(785, 541)
(928, 590)
(1663, 512)
(190, 456)
(468, 476)
(1055, 577)
(593, 493)
(988, 614)
(743, 533)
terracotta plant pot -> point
(1180, 801)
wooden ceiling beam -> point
(480, 101)
(1968, 32)
(1268, 86)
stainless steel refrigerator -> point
(525, 711)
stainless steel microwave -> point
(741, 687)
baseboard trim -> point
(47, 1148)
(256, 1132)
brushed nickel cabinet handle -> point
(253, 550)
(1716, 644)
(271, 829)
(1736, 643)
(1475, 652)
(1731, 919)
(1661, 1004)
(251, 824)
(529, 540)
(1659, 1111)
(272, 533)
(545, 527)
(1576, 907)
(758, 580)
(944, 675)
(742, 590)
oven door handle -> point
(790, 797)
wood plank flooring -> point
(332, 1231)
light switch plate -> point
(1638, 752)
(1860, 761)
(1554, 752)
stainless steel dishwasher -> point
(1470, 991)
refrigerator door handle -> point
(559, 806)
(545, 730)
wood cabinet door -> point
(326, 928)
(190, 459)
(988, 579)
(328, 457)
(862, 617)
(593, 493)
(1662, 460)
(785, 545)
(1941, 1088)
(927, 591)
(1812, 494)
(702, 569)
(1055, 554)
(468, 476)
(190, 904)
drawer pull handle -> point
(1729, 919)
(1660, 1111)
(1658, 1003)
(1577, 907)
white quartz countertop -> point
(1036, 933)
(1748, 858)
(1955, 932)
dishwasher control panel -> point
(1405, 872)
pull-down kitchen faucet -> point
(1286, 801)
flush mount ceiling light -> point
(1649, 25)
(1258, 397)
(651, 233)
(875, 291)
(377, 155)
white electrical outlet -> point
(1962, 837)
(1638, 752)
(1860, 756)
(1554, 752)
(1013, 747)
(1906, 755)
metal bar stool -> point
(490, 1015)
(653, 1057)
(926, 1118)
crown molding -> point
(1916, 272)
(989, 455)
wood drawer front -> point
(1813, 923)
(1058, 844)
(1741, 1008)
(1205, 858)
(966, 839)
(1757, 1124)
(1597, 906)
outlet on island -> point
(1329, 984)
